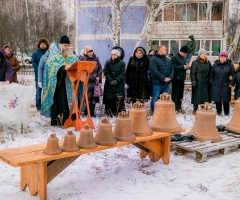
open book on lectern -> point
(83, 65)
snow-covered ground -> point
(119, 173)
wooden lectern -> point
(79, 71)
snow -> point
(119, 173)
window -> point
(192, 10)
(202, 11)
(216, 46)
(217, 11)
(207, 45)
(180, 12)
(174, 47)
(169, 13)
(154, 44)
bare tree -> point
(235, 42)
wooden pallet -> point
(204, 149)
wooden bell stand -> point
(79, 71)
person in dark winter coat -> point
(6, 72)
(179, 63)
(13, 61)
(95, 77)
(237, 81)
(114, 94)
(137, 77)
(200, 73)
(162, 72)
(42, 46)
(191, 44)
(222, 79)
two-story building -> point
(208, 22)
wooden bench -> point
(38, 169)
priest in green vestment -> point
(57, 91)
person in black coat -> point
(137, 76)
(200, 73)
(162, 73)
(237, 81)
(95, 77)
(222, 79)
(114, 93)
(179, 63)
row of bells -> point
(136, 124)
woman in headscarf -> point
(6, 73)
(136, 75)
(95, 77)
(222, 79)
(200, 70)
(114, 71)
(13, 61)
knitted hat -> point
(150, 50)
(201, 51)
(223, 53)
(191, 37)
(115, 51)
(87, 49)
(64, 40)
(184, 49)
(42, 40)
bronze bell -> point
(52, 147)
(139, 123)
(122, 130)
(204, 127)
(86, 140)
(234, 124)
(69, 143)
(164, 118)
(104, 134)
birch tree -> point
(117, 9)
(209, 7)
(234, 44)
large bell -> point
(69, 143)
(52, 147)
(86, 140)
(234, 124)
(104, 134)
(164, 118)
(204, 127)
(122, 130)
(139, 123)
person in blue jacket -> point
(42, 46)
(162, 72)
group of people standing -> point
(144, 76)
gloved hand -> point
(40, 84)
(194, 84)
(114, 82)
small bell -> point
(86, 140)
(69, 143)
(139, 123)
(52, 147)
(104, 134)
(122, 130)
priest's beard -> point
(65, 54)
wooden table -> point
(38, 169)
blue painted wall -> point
(133, 19)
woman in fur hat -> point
(200, 70)
(13, 61)
(137, 76)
